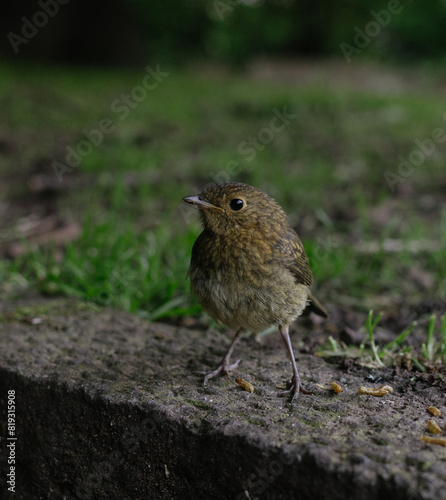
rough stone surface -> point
(108, 406)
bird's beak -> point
(198, 202)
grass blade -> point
(370, 326)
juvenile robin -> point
(248, 268)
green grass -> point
(435, 349)
(112, 264)
(370, 326)
(432, 352)
(326, 168)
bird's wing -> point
(292, 250)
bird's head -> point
(232, 207)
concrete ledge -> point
(108, 406)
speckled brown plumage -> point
(248, 268)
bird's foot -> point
(294, 390)
(224, 368)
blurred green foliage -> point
(236, 30)
(327, 167)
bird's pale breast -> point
(245, 284)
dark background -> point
(131, 32)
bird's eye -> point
(236, 204)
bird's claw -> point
(294, 390)
(223, 369)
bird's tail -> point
(315, 306)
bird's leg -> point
(224, 367)
(296, 386)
